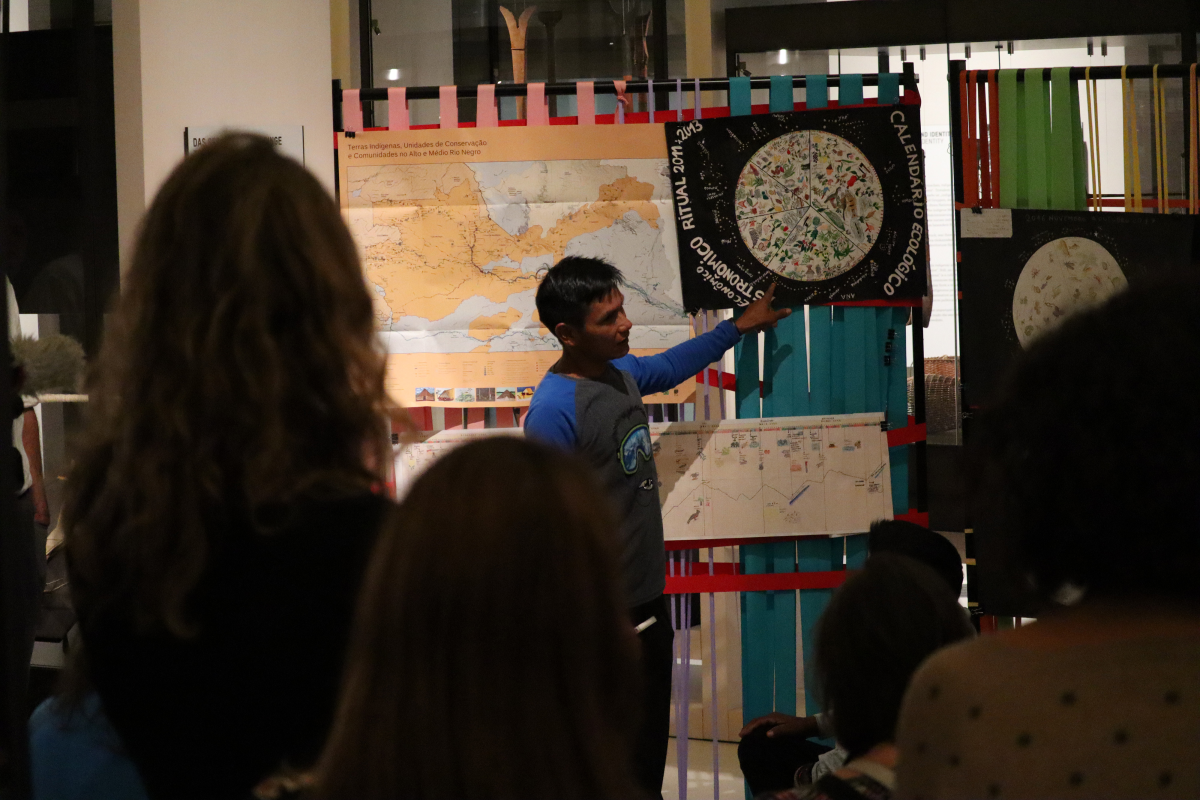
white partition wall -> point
(232, 63)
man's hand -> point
(759, 315)
(782, 725)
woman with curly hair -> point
(1092, 458)
(221, 511)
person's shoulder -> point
(553, 398)
(948, 665)
(551, 388)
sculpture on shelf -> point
(517, 29)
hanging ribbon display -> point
(1094, 149)
(1160, 135)
(448, 107)
(538, 112)
(585, 102)
(850, 90)
(486, 113)
(352, 113)
(889, 88)
(397, 109)
(983, 145)
(1193, 170)
(1067, 161)
(1129, 136)
(1014, 190)
(966, 135)
(993, 110)
(816, 91)
(1129, 140)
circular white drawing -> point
(809, 205)
(1062, 277)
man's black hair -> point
(879, 627)
(571, 286)
(915, 541)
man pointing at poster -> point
(590, 402)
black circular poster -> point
(827, 204)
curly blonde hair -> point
(241, 370)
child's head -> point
(918, 542)
(492, 656)
(580, 302)
(879, 627)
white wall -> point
(214, 62)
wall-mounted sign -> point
(288, 138)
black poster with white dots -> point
(1022, 271)
(827, 204)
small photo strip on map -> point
(480, 394)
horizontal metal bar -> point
(1113, 73)
(608, 87)
(894, 23)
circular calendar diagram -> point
(1062, 277)
(809, 205)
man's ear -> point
(566, 334)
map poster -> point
(827, 204)
(772, 477)
(455, 227)
(1023, 271)
(782, 476)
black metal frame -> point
(907, 79)
(366, 57)
(884, 23)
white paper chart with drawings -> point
(413, 459)
(772, 477)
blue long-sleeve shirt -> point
(604, 421)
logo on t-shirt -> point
(635, 447)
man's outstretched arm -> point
(672, 367)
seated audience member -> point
(1093, 457)
(878, 628)
(491, 658)
(220, 512)
(775, 751)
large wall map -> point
(829, 205)
(455, 226)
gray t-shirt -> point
(604, 421)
